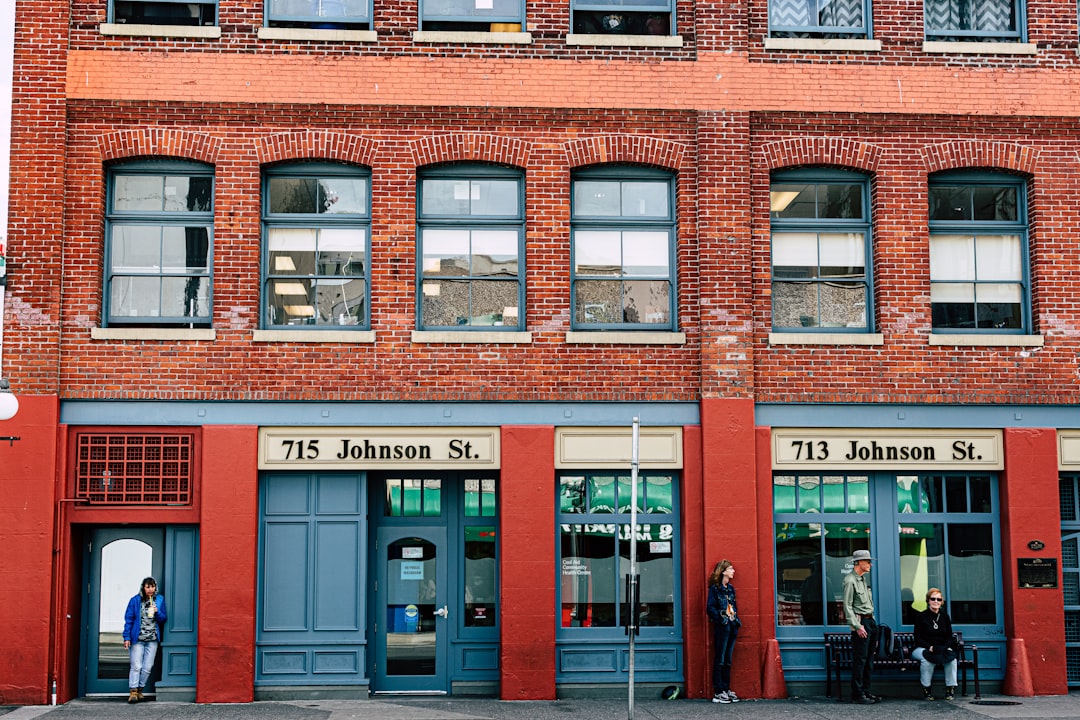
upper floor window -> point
(471, 235)
(978, 253)
(826, 19)
(974, 20)
(163, 12)
(317, 219)
(615, 17)
(320, 14)
(159, 226)
(623, 249)
(471, 15)
(821, 251)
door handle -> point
(443, 612)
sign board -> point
(1036, 573)
(362, 448)
(885, 449)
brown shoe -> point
(133, 696)
(138, 692)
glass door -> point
(117, 561)
(412, 611)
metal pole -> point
(632, 585)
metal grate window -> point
(1070, 574)
(134, 469)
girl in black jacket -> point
(724, 613)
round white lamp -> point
(9, 404)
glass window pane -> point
(795, 254)
(572, 494)
(981, 498)
(494, 252)
(952, 257)
(840, 201)
(187, 297)
(809, 494)
(446, 252)
(843, 304)
(184, 249)
(341, 195)
(393, 498)
(956, 494)
(587, 575)
(626, 492)
(135, 248)
(793, 200)
(933, 490)
(135, 296)
(339, 302)
(842, 255)
(645, 199)
(799, 584)
(658, 497)
(972, 571)
(645, 254)
(598, 252)
(445, 302)
(491, 301)
(858, 491)
(138, 193)
(950, 202)
(412, 497)
(601, 493)
(833, 489)
(432, 497)
(495, 197)
(998, 257)
(445, 197)
(784, 494)
(598, 301)
(795, 305)
(841, 540)
(952, 292)
(647, 301)
(656, 570)
(185, 193)
(292, 251)
(293, 195)
(908, 494)
(995, 203)
(596, 198)
(922, 565)
(481, 599)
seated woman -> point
(934, 644)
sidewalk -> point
(1061, 707)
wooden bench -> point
(838, 659)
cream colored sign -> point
(800, 449)
(358, 448)
(612, 447)
(1069, 450)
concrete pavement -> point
(1061, 707)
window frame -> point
(317, 20)
(161, 219)
(864, 31)
(641, 9)
(1020, 227)
(625, 174)
(818, 177)
(112, 14)
(317, 221)
(1019, 35)
(470, 172)
(479, 20)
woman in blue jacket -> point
(144, 621)
(724, 613)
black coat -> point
(927, 636)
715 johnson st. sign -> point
(359, 448)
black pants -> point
(862, 658)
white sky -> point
(7, 40)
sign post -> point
(632, 590)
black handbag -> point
(940, 656)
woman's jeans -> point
(724, 635)
(142, 663)
(926, 669)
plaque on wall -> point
(1037, 572)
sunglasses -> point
(937, 599)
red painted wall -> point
(1030, 510)
(27, 506)
(228, 539)
(696, 630)
(527, 564)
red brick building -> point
(335, 317)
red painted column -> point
(730, 503)
(228, 572)
(527, 563)
(1030, 511)
(697, 633)
(27, 506)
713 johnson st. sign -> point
(360, 448)
(798, 449)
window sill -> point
(979, 48)
(472, 38)
(803, 338)
(479, 337)
(624, 337)
(975, 340)
(153, 334)
(313, 336)
(674, 41)
(318, 35)
(166, 31)
(824, 44)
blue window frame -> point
(979, 254)
(159, 224)
(324, 14)
(623, 249)
(614, 17)
(975, 20)
(316, 224)
(821, 251)
(470, 248)
(451, 15)
(827, 19)
(163, 12)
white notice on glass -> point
(412, 553)
(412, 570)
(485, 4)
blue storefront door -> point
(412, 613)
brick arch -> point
(958, 154)
(636, 149)
(159, 142)
(315, 144)
(838, 152)
(471, 147)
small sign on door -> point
(412, 570)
